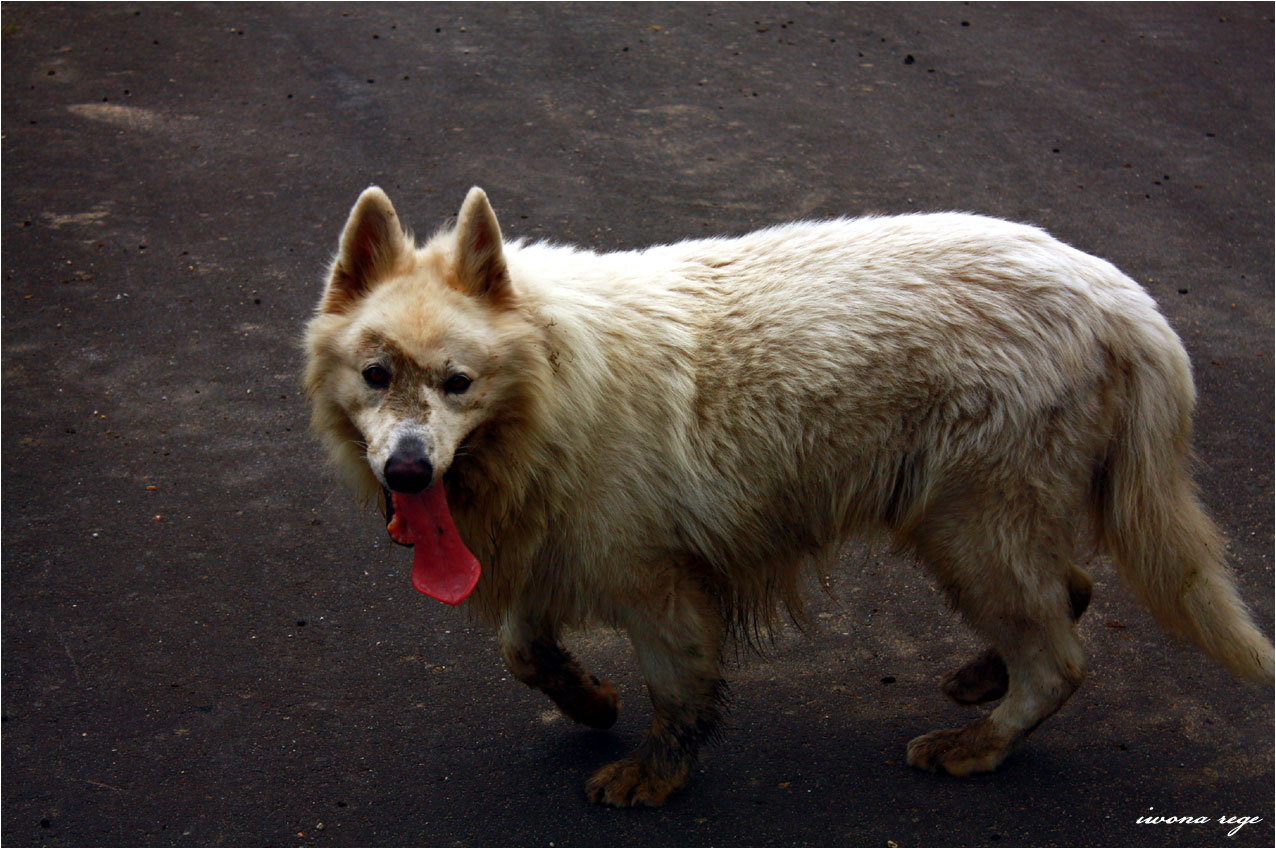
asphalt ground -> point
(205, 642)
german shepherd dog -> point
(662, 440)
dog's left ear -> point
(480, 258)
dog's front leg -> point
(532, 652)
(678, 641)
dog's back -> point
(761, 397)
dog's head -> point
(414, 350)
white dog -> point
(661, 440)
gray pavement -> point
(205, 642)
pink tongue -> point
(442, 567)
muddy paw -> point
(982, 680)
(959, 751)
(630, 781)
(596, 706)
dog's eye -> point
(456, 384)
(378, 377)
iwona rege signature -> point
(1237, 823)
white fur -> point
(661, 439)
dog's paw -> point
(596, 706)
(959, 751)
(982, 680)
(631, 781)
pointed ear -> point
(371, 245)
(480, 256)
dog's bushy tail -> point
(1151, 520)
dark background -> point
(205, 642)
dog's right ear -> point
(371, 245)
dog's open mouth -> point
(442, 567)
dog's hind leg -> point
(985, 678)
(535, 657)
(678, 638)
(1005, 565)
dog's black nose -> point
(408, 472)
